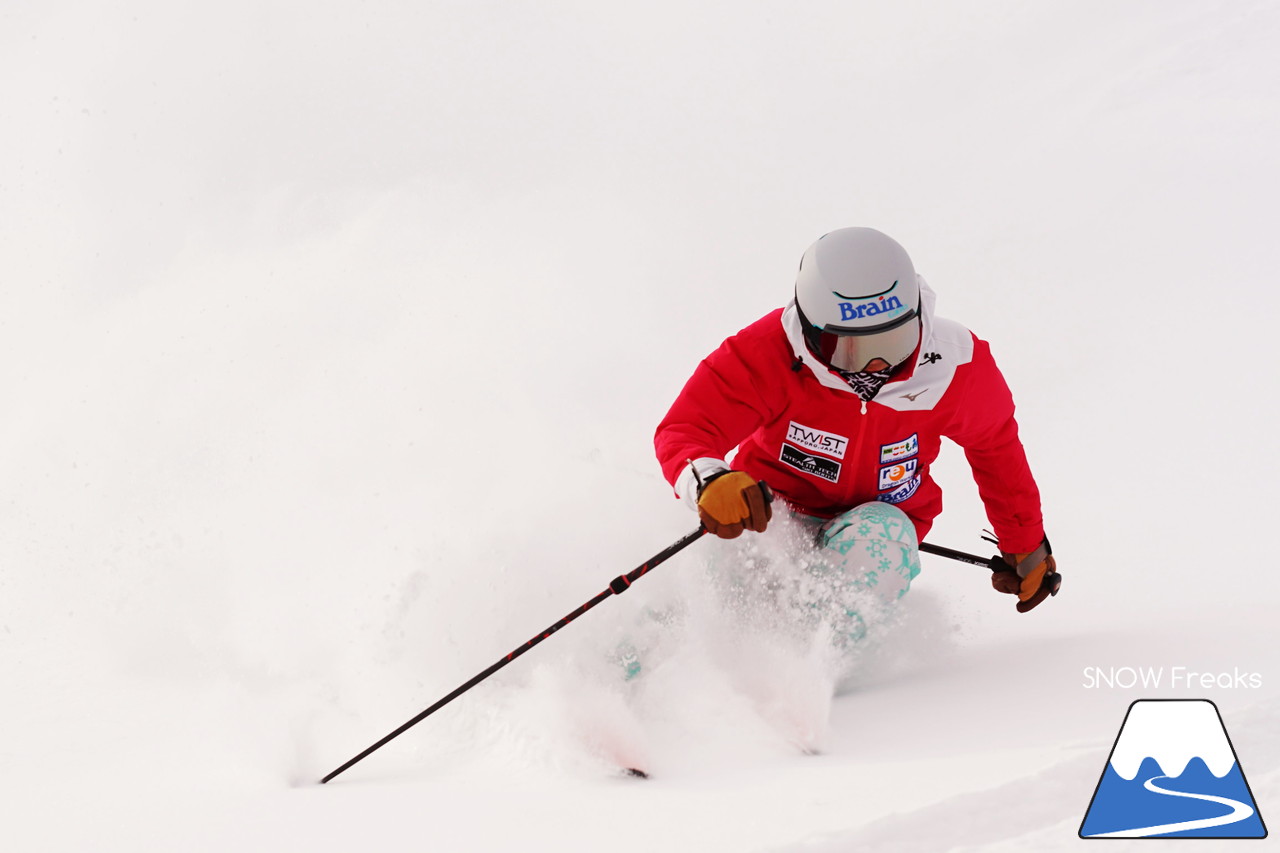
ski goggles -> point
(851, 350)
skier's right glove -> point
(1032, 577)
(730, 502)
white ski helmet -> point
(858, 300)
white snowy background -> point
(332, 340)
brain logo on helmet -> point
(881, 303)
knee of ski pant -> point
(877, 536)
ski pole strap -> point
(1028, 563)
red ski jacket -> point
(799, 427)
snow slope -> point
(332, 339)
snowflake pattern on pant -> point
(835, 581)
(866, 560)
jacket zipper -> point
(857, 444)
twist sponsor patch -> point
(817, 440)
(900, 450)
(892, 476)
(809, 463)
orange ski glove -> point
(1032, 577)
(731, 502)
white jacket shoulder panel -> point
(944, 346)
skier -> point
(838, 402)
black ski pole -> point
(1052, 580)
(952, 554)
(617, 586)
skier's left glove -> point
(733, 501)
(1032, 577)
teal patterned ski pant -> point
(841, 576)
(865, 561)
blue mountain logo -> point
(1173, 773)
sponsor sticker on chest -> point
(901, 493)
(810, 463)
(900, 450)
(817, 440)
(892, 476)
